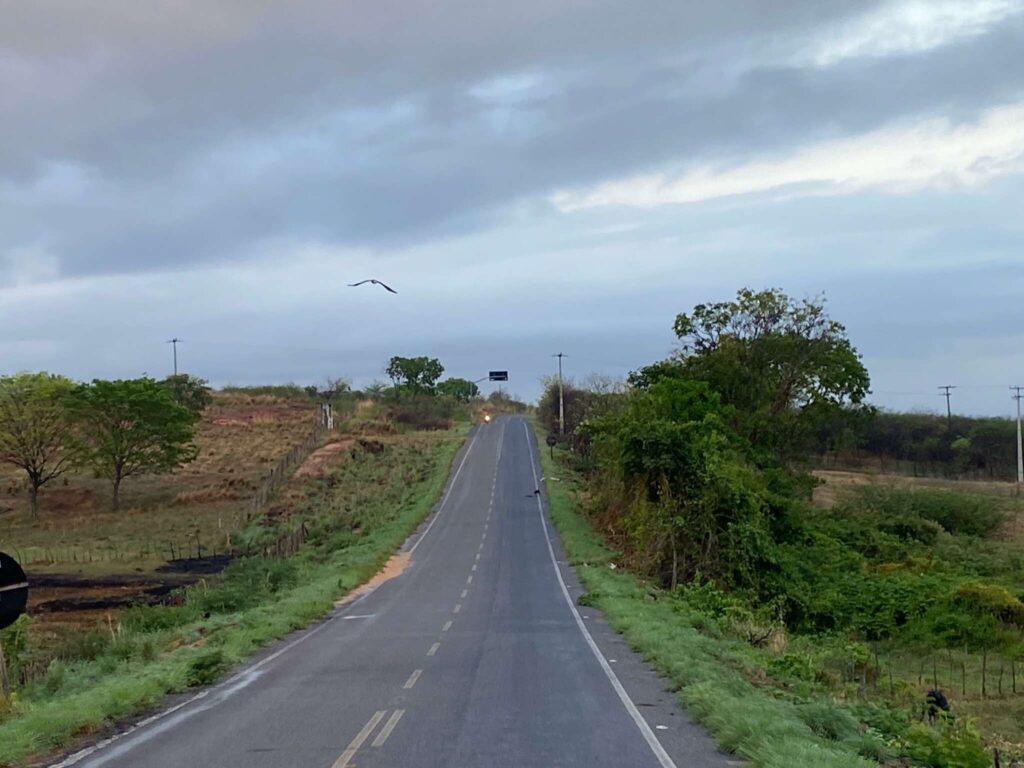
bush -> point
(952, 744)
(424, 412)
(957, 513)
(206, 668)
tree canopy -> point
(34, 427)
(419, 375)
(129, 427)
(190, 392)
(779, 363)
(462, 390)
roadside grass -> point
(711, 674)
(361, 512)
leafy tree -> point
(688, 495)
(129, 427)
(34, 428)
(190, 392)
(418, 375)
(333, 388)
(462, 390)
(375, 390)
(783, 365)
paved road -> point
(474, 657)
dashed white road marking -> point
(433, 649)
(474, 564)
(357, 742)
(469, 580)
(447, 626)
(464, 593)
(458, 607)
(412, 679)
(389, 726)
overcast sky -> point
(533, 177)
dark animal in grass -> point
(937, 703)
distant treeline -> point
(921, 444)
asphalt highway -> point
(475, 656)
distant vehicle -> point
(487, 418)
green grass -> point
(361, 514)
(712, 674)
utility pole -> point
(175, 342)
(948, 392)
(561, 398)
(1020, 449)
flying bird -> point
(375, 282)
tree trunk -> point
(116, 501)
(675, 561)
(33, 499)
(984, 673)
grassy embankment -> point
(357, 509)
(773, 701)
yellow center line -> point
(412, 679)
(389, 726)
(357, 742)
(433, 649)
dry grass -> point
(163, 517)
(834, 482)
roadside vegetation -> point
(151, 568)
(801, 633)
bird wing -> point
(356, 285)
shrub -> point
(952, 744)
(206, 668)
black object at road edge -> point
(13, 590)
(13, 598)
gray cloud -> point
(360, 127)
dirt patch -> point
(322, 458)
(58, 500)
(198, 566)
(394, 568)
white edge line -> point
(447, 494)
(82, 754)
(645, 729)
